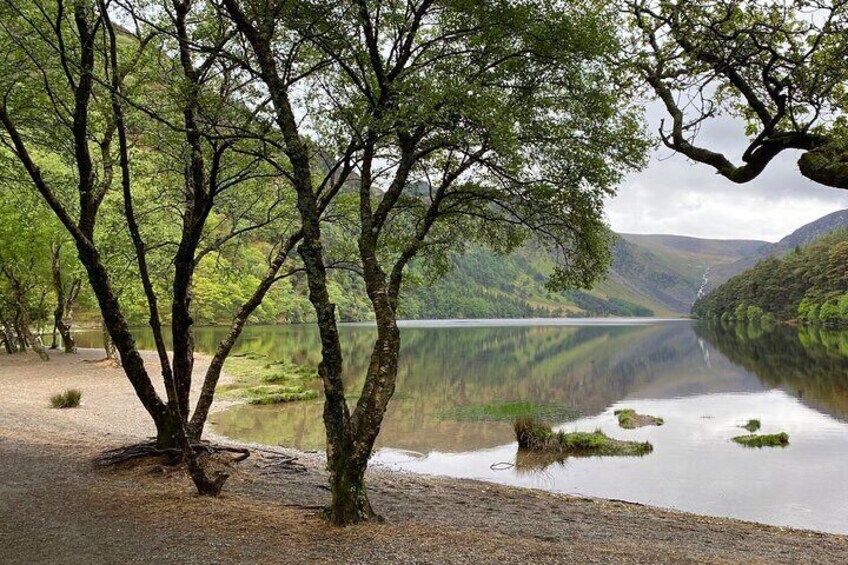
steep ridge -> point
(799, 238)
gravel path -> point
(56, 507)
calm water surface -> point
(704, 381)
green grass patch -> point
(765, 440)
(259, 381)
(534, 436)
(752, 426)
(629, 419)
(510, 411)
(68, 399)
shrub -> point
(533, 436)
(68, 399)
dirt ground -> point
(56, 506)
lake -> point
(704, 381)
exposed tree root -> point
(281, 464)
(126, 453)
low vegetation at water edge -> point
(68, 399)
(752, 425)
(629, 419)
(535, 436)
(765, 440)
(509, 412)
(260, 381)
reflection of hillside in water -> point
(809, 363)
(586, 368)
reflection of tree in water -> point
(810, 363)
(587, 368)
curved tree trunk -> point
(24, 321)
(7, 334)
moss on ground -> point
(510, 411)
(764, 440)
(535, 436)
(260, 381)
(752, 426)
(629, 419)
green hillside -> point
(482, 284)
(802, 236)
(651, 275)
(809, 284)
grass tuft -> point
(68, 399)
(765, 440)
(535, 436)
(629, 419)
(752, 426)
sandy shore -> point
(56, 507)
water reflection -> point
(704, 380)
(810, 363)
(583, 368)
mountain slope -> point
(669, 269)
(799, 238)
(651, 275)
(810, 284)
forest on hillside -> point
(809, 284)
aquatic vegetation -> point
(629, 419)
(765, 440)
(535, 436)
(510, 411)
(258, 381)
(68, 399)
(752, 426)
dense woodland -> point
(809, 284)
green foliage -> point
(68, 399)
(766, 440)
(808, 285)
(752, 425)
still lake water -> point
(704, 381)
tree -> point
(142, 125)
(25, 270)
(466, 121)
(67, 292)
(778, 65)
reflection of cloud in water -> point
(694, 466)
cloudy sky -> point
(674, 195)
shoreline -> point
(484, 521)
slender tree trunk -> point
(7, 339)
(24, 321)
(109, 346)
(8, 335)
(63, 313)
(213, 372)
(122, 339)
(23, 345)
